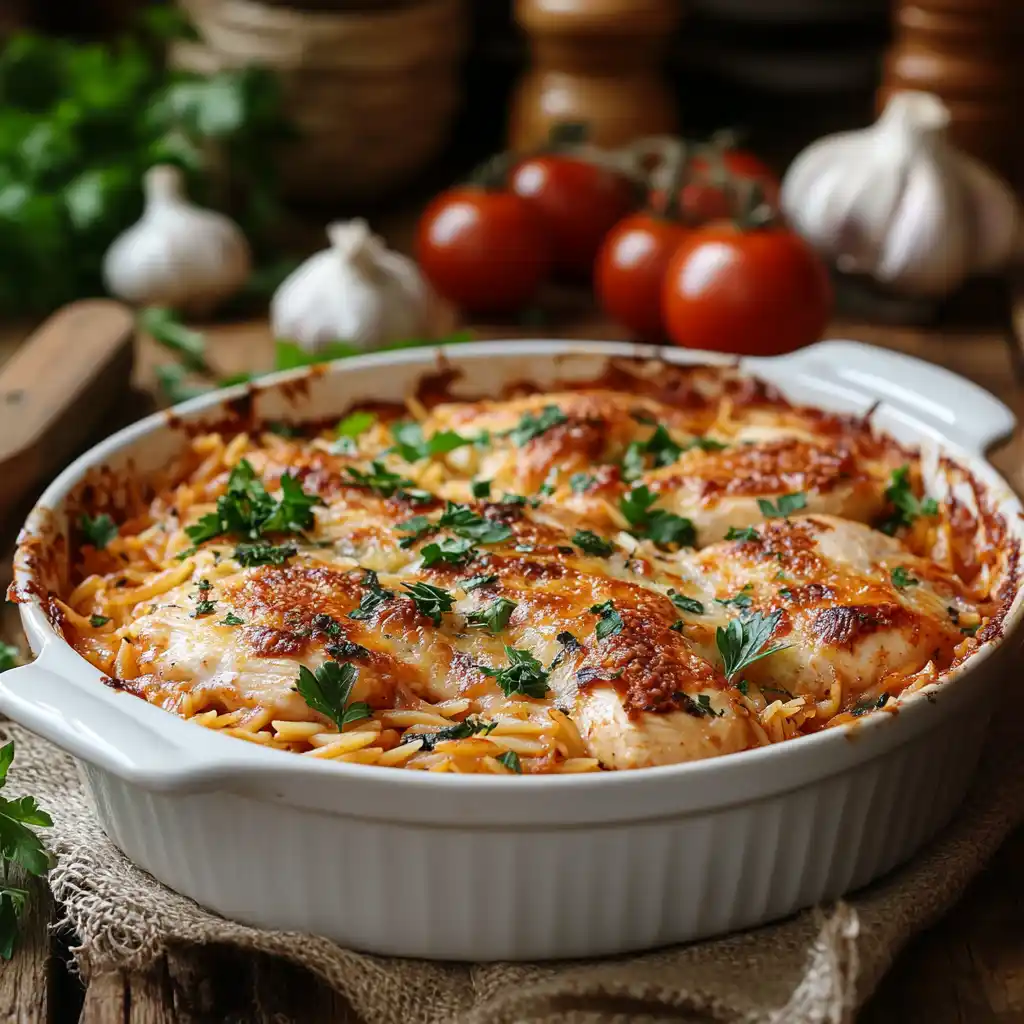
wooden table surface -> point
(969, 969)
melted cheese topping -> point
(630, 542)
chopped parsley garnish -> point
(374, 598)
(660, 446)
(248, 511)
(462, 520)
(99, 530)
(322, 623)
(592, 544)
(204, 584)
(510, 759)
(742, 533)
(664, 528)
(379, 479)
(231, 619)
(569, 645)
(869, 705)
(21, 846)
(430, 600)
(96, 621)
(745, 641)
(531, 426)
(481, 488)
(580, 482)
(785, 505)
(328, 690)
(418, 527)
(415, 495)
(413, 446)
(343, 650)
(742, 600)
(705, 444)
(355, 423)
(203, 608)
(494, 616)
(901, 579)
(472, 726)
(523, 674)
(609, 621)
(677, 626)
(260, 553)
(685, 604)
(8, 656)
(475, 582)
(699, 706)
(449, 552)
(905, 503)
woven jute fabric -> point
(815, 968)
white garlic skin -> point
(358, 291)
(177, 254)
(899, 202)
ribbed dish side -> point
(493, 894)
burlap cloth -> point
(815, 968)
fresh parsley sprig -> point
(328, 690)
(609, 621)
(374, 598)
(430, 600)
(686, 604)
(901, 579)
(665, 528)
(531, 426)
(906, 506)
(744, 641)
(378, 479)
(448, 552)
(784, 506)
(99, 530)
(523, 674)
(592, 544)
(472, 726)
(493, 616)
(413, 446)
(465, 522)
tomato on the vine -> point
(579, 203)
(761, 291)
(630, 270)
(484, 250)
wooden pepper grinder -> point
(594, 62)
(968, 53)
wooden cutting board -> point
(56, 388)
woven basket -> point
(372, 93)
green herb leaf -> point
(869, 705)
(231, 619)
(293, 512)
(609, 620)
(685, 604)
(379, 479)
(664, 528)
(328, 690)
(510, 759)
(373, 599)
(531, 426)
(580, 482)
(449, 552)
(260, 553)
(705, 444)
(166, 329)
(475, 582)
(99, 530)
(97, 621)
(523, 674)
(744, 641)
(494, 616)
(430, 600)
(785, 506)
(462, 520)
(203, 608)
(355, 423)
(742, 533)
(472, 726)
(481, 488)
(417, 528)
(906, 506)
(592, 544)
(699, 706)
(901, 579)
(412, 446)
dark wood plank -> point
(26, 983)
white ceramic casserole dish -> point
(512, 868)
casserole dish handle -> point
(955, 407)
(110, 730)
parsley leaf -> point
(231, 619)
(99, 531)
(705, 444)
(322, 623)
(523, 674)
(699, 706)
(8, 656)
(531, 426)
(481, 488)
(472, 726)
(261, 553)
(374, 598)
(660, 445)
(510, 759)
(664, 528)
(609, 620)
(685, 604)
(592, 544)
(475, 582)
(744, 533)
(907, 507)
(430, 600)
(462, 520)
(580, 482)
(418, 527)
(744, 641)
(869, 705)
(328, 690)
(379, 479)
(96, 621)
(494, 616)
(449, 552)
(413, 446)
(785, 506)
(355, 423)
(901, 579)
(742, 600)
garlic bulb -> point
(178, 254)
(357, 291)
(899, 202)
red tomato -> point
(486, 251)
(631, 267)
(758, 292)
(579, 204)
(743, 164)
